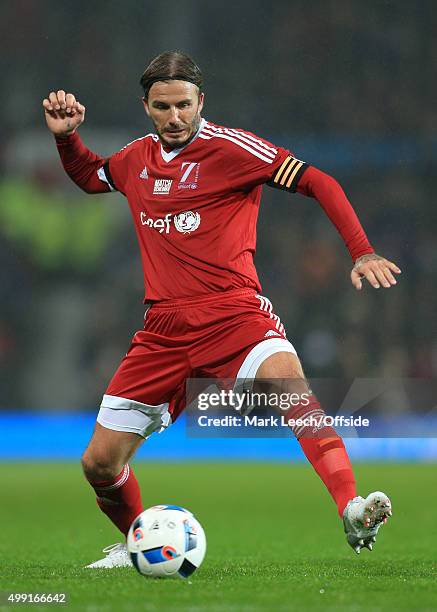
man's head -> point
(173, 99)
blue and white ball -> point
(166, 541)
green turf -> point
(274, 540)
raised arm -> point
(64, 114)
(293, 175)
(331, 197)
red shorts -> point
(204, 337)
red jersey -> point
(195, 208)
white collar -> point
(167, 157)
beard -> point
(192, 128)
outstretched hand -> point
(376, 269)
(64, 114)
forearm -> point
(81, 164)
(334, 202)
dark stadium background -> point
(349, 87)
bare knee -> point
(98, 466)
(108, 452)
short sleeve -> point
(104, 174)
(114, 171)
(250, 160)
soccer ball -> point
(166, 541)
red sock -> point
(326, 452)
(120, 498)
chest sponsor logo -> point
(162, 186)
(185, 222)
(190, 175)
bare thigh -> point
(282, 373)
(281, 365)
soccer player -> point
(194, 190)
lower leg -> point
(106, 469)
(119, 498)
(325, 450)
(330, 460)
(322, 446)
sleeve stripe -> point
(288, 175)
(278, 174)
(293, 174)
(241, 144)
(243, 135)
(289, 168)
(250, 142)
(262, 144)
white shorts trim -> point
(249, 367)
(260, 352)
(122, 414)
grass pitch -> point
(274, 540)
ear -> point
(201, 100)
(146, 106)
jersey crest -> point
(187, 222)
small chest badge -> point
(190, 175)
(162, 186)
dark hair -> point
(171, 65)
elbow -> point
(326, 180)
(315, 182)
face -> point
(174, 108)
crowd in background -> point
(349, 90)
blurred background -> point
(348, 87)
